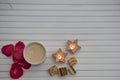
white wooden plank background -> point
(95, 23)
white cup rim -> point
(40, 62)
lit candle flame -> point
(59, 56)
(72, 46)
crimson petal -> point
(19, 45)
(18, 56)
(16, 71)
(18, 52)
(8, 49)
(25, 64)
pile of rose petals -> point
(19, 62)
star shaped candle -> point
(73, 46)
(60, 56)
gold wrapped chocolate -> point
(72, 61)
(71, 70)
(53, 70)
(62, 71)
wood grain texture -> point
(95, 23)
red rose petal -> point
(7, 49)
(16, 71)
(18, 56)
(25, 64)
(19, 45)
(18, 52)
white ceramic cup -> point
(34, 53)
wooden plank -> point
(57, 19)
(62, 1)
(59, 31)
(56, 37)
(75, 78)
(59, 7)
(59, 25)
(79, 74)
(64, 78)
(60, 13)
